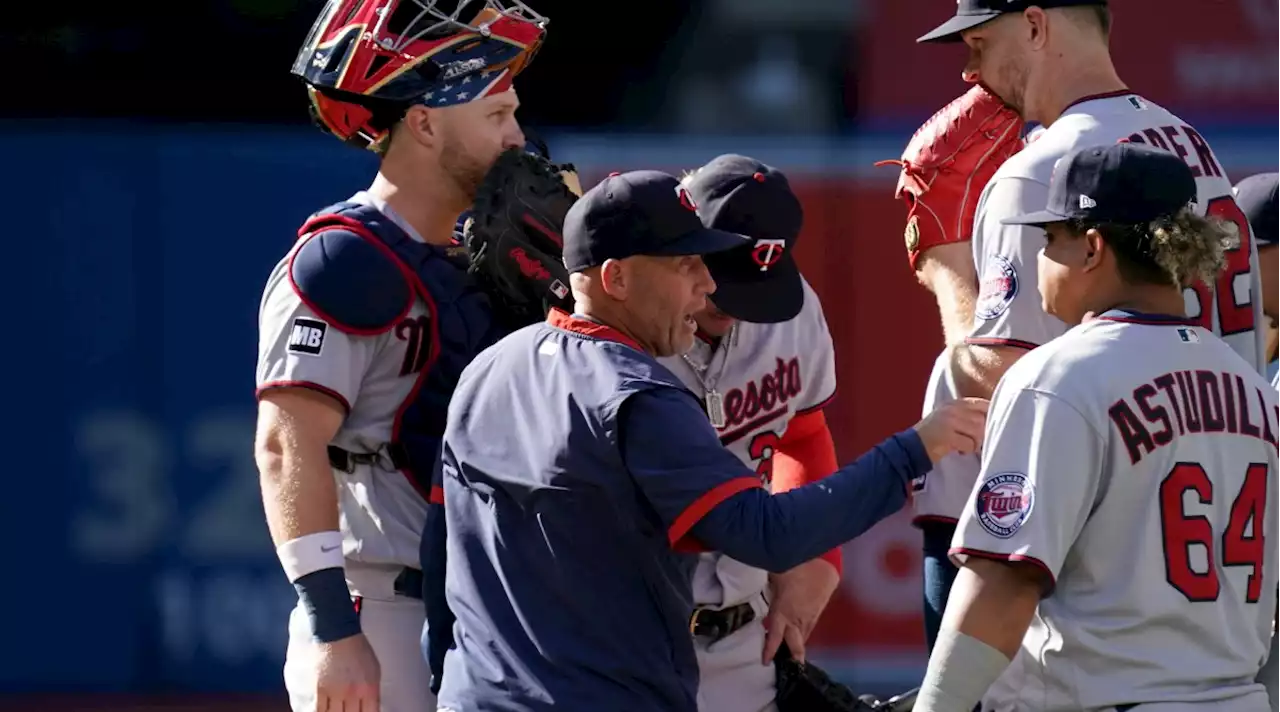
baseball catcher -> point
(513, 236)
(946, 165)
(365, 325)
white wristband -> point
(310, 553)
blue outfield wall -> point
(138, 556)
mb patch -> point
(1004, 502)
(999, 287)
(912, 234)
(306, 336)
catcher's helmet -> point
(365, 62)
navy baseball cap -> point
(1256, 196)
(758, 281)
(971, 13)
(638, 213)
(1125, 183)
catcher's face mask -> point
(366, 61)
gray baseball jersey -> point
(939, 495)
(766, 374)
(381, 513)
(1134, 461)
(1009, 311)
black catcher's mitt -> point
(513, 236)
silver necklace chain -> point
(714, 401)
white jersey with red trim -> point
(1008, 311)
(1134, 461)
(765, 375)
(381, 513)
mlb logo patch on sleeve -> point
(306, 336)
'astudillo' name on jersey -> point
(1182, 402)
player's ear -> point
(615, 278)
(423, 124)
(1037, 22)
(1093, 246)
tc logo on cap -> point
(686, 200)
(766, 253)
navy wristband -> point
(327, 601)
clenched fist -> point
(955, 427)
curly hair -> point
(1177, 250)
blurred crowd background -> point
(158, 161)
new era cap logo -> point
(306, 337)
(1087, 202)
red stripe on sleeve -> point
(1011, 559)
(994, 341)
(677, 534)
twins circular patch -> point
(1004, 502)
(999, 287)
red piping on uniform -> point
(303, 384)
(997, 341)
(820, 405)
(1008, 558)
(360, 229)
(935, 518)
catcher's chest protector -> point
(458, 322)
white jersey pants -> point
(732, 677)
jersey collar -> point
(1128, 316)
(1093, 97)
(578, 324)
(368, 199)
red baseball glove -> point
(948, 162)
